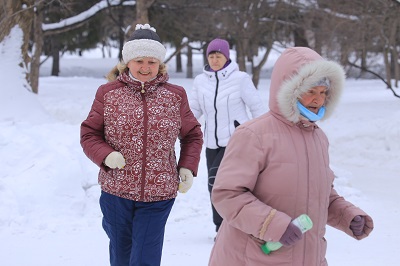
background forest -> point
(363, 35)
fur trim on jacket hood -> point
(294, 73)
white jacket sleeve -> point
(252, 98)
(194, 101)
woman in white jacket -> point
(227, 98)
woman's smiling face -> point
(144, 68)
(314, 98)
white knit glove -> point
(187, 180)
(115, 160)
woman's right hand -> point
(291, 235)
(357, 225)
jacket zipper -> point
(308, 191)
(215, 108)
(145, 120)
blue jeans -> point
(135, 229)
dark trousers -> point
(135, 229)
(214, 158)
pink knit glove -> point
(291, 235)
(357, 225)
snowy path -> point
(55, 218)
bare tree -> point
(175, 19)
(37, 49)
(142, 14)
(354, 32)
(370, 27)
(28, 14)
(11, 16)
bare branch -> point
(178, 49)
(389, 86)
(84, 16)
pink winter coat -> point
(275, 168)
(143, 122)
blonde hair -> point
(121, 67)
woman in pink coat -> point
(276, 167)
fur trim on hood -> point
(294, 73)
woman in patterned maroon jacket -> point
(130, 133)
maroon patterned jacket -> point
(143, 122)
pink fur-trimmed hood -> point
(294, 73)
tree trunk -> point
(121, 33)
(394, 53)
(189, 65)
(300, 37)
(387, 65)
(256, 70)
(55, 54)
(396, 67)
(37, 48)
(142, 10)
(179, 62)
(241, 55)
(142, 14)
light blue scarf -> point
(310, 115)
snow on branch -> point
(85, 14)
(340, 15)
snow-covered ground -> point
(49, 211)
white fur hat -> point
(144, 43)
